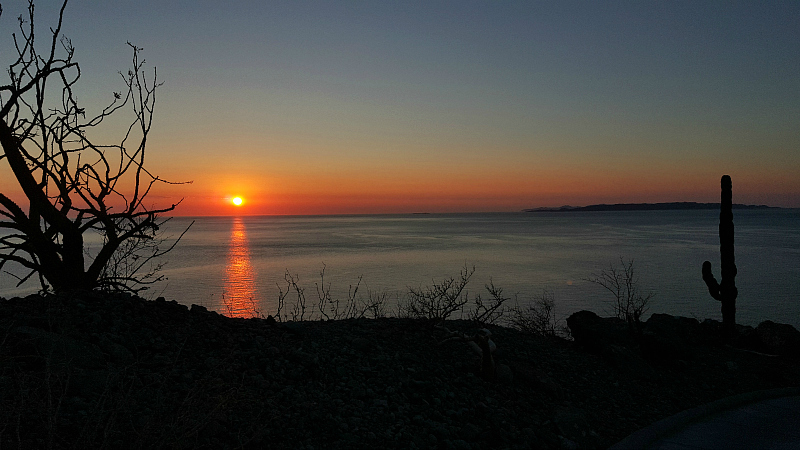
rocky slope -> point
(95, 371)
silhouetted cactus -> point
(725, 291)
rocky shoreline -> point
(116, 371)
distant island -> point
(673, 206)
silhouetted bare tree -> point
(623, 282)
(74, 186)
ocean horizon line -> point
(599, 207)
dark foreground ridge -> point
(120, 372)
(672, 206)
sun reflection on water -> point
(240, 290)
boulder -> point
(529, 375)
(685, 329)
(779, 338)
(596, 333)
(504, 374)
(571, 423)
(668, 338)
(746, 337)
(627, 361)
(198, 309)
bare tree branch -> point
(73, 185)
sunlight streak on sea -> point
(239, 293)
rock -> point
(667, 338)
(746, 337)
(117, 352)
(305, 359)
(363, 345)
(460, 444)
(527, 374)
(61, 350)
(439, 430)
(567, 444)
(530, 438)
(294, 327)
(504, 374)
(779, 339)
(711, 330)
(594, 332)
(627, 361)
(549, 438)
(198, 309)
(571, 423)
(685, 328)
(469, 432)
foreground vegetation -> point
(439, 301)
(98, 370)
(449, 298)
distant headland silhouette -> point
(644, 207)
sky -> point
(396, 107)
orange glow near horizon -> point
(470, 193)
(464, 189)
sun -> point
(237, 201)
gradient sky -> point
(392, 107)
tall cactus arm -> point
(711, 282)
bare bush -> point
(351, 310)
(299, 308)
(324, 300)
(329, 307)
(537, 317)
(439, 300)
(281, 303)
(375, 304)
(623, 283)
(489, 312)
(334, 309)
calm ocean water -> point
(242, 260)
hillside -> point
(121, 372)
(672, 206)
